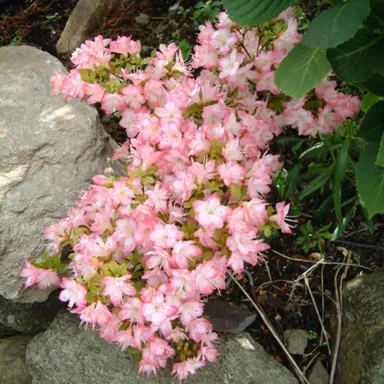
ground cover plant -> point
(149, 247)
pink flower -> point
(116, 287)
(157, 311)
(73, 292)
(190, 310)
(95, 93)
(183, 251)
(30, 273)
(125, 46)
(170, 112)
(230, 65)
(166, 236)
(189, 366)
(209, 277)
(279, 218)
(209, 212)
(113, 102)
(231, 173)
(289, 38)
(131, 310)
(96, 314)
(47, 278)
(209, 353)
(199, 328)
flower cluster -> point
(149, 247)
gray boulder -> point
(85, 19)
(85, 358)
(296, 340)
(361, 355)
(49, 150)
(28, 318)
(13, 369)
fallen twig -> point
(323, 261)
(318, 315)
(339, 309)
(269, 325)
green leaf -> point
(235, 191)
(341, 162)
(357, 59)
(375, 84)
(249, 12)
(376, 18)
(370, 180)
(369, 100)
(317, 183)
(340, 168)
(380, 154)
(336, 24)
(302, 70)
(372, 126)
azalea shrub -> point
(150, 246)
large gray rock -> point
(49, 150)
(85, 19)
(361, 355)
(13, 369)
(226, 317)
(83, 357)
(28, 317)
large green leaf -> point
(372, 126)
(380, 153)
(370, 180)
(249, 12)
(376, 18)
(337, 24)
(369, 100)
(358, 58)
(302, 70)
(375, 84)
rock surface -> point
(13, 369)
(85, 19)
(6, 331)
(228, 318)
(88, 359)
(28, 317)
(296, 340)
(361, 354)
(49, 150)
(318, 374)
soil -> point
(275, 285)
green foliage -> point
(301, 70)
(370, 180)
(186, 48)
(202, 12)
(53, 262)
(324, 173)
(357, 59)
(250, 12)
(369, 100)
(312, 335)
(206, 11)
(311, 238)
(336, 24)
(370, 168)
(348, 37)
(375, 84)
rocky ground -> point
(50, 149)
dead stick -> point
(266, 321)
